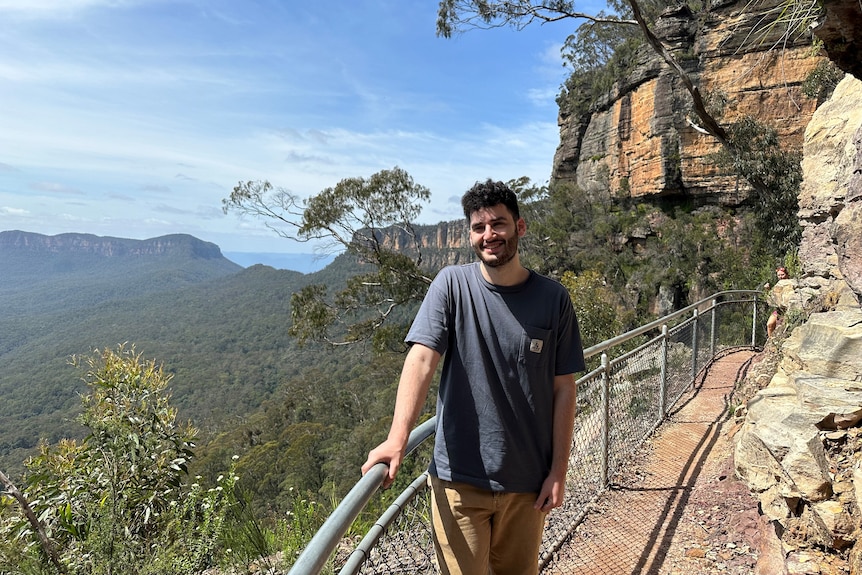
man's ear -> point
(521, 226)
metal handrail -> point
(614, 341)
(373, 536)
(324, 542)
(314, 557)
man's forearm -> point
(565, 408)
(416, 375)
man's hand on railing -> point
(390, 452)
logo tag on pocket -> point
(536, 345)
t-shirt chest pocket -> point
(536, 346)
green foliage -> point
(366, 218)
(314, 434)
(363, 206)
(775, 174)
(821, 82)
(221, 338)
(599, 54)
(792, 264)
(303, 520)
(641, 250)
(117, 502)
(565, 230)
(372, 211)
(593, 302)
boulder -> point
(779, 450)
(829, 345)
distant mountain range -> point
(110, 246)
(66, 271)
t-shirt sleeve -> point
(570, 350)
(432, 322)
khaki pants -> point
(475, 529)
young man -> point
(506, 404)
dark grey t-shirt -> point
(502, 347)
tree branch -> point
(44, 541)
(710, 123)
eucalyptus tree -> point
(365, 218)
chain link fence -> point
(637, 379)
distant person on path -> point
(775, 316)
(506, 403)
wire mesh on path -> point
(631, 528)
(406, 546)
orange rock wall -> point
(643, 143)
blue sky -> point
(135, 118)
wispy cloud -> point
(55, 188)
(49, 7)
(13, 212)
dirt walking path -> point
(677, 509)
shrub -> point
(119, 501)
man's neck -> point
(510, 274)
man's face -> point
(494, 235)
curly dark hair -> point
(489, 193)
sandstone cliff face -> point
(443, 244)
(640, 143)
(830, 202)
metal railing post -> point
(712, 333)
(662, 397)
(754, 322)
(606, 419)
(694, 317)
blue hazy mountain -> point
(303, 263)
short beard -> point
(508, 254)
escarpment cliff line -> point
(70, 243)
